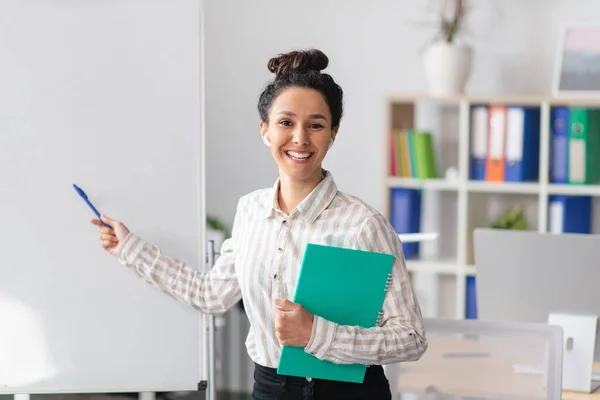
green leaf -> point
(217, 225)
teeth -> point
(300, 156)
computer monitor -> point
(525, 276)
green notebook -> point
(344, 286)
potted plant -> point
(513, 219)
(447, 61)
(215, 224)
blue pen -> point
(85, 198)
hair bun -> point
(300, 60)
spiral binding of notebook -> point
(388, 282)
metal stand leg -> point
(21, 397)
(211, 393)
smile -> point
(298, 155)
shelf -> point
(454, 208)
(579, 190)
(474, 99)
(424, 98)
(470, 270)
(432, 184)
(479, 186)
(492, 187)
(574, 101)
(442, 266)
(503, 187)
(516, 99)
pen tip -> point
(78, 190)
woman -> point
(300, 113)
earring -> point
(266, 140)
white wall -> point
(373, 48)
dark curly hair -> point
(302, 68)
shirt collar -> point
(314, 204)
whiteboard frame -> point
(207, 253)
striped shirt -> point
(262, 259)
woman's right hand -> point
(111, 239)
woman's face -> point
(299, 132)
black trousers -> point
(268, 385)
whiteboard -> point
(104, 94)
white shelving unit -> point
(455, 207)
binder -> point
(570, 214)
(584, 145)
(559, 159)
(401, 171)
(424, 155)
(494, 167)
(471, 298)
(403, 141)
(479, 136)
(522, 144)
(394, 167)
(578, 132)
(342, 285)
(410, 139)
(405, 217)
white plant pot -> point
(447, 68)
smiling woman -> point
(300, 115)
(300, 112)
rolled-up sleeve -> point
(213, 292)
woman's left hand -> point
(293, 324)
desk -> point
(567, 395)
(500, 367)
(473, 376)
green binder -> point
(424, 155)
(341, 285)
(584, 145)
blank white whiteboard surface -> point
(104, 94)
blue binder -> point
(570, 214)
(559, 151)
(479, 137)
(527, 137)
(471, 300)
(405, 216)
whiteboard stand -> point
(211, 393)
(209, 385)
(21, 397)
(142, 396)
